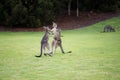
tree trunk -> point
(69, 7)
(77, 8)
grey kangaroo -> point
(56, 39)
(109, 28)
(44, 42)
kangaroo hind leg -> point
(61, 48)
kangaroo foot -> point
(50, 55)
(45, 54)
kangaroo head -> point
(47, 29)
(54, 25)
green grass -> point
(95, 55)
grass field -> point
(95, 55)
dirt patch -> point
(85, 19)
(72, 22)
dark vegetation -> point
(36, 13)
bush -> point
(36, 13)
(26, 13)
(108, 5)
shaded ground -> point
(73, 22)
(85, 19)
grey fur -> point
(44, 42)
(56, 39)
(108, 28)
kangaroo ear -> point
(54, 25)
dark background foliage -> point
(36, 13)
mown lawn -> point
(95, 55)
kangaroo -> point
(56, 39)
(44, 42)
(109, 28)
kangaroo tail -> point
(41, 50)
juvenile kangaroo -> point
(56, 39)
(108, 28)
(44, 42)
